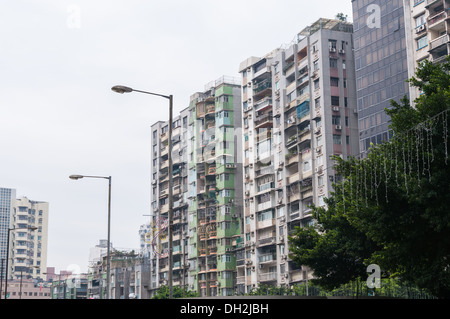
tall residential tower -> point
(299, 109)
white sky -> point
(58, 115)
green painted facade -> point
(213, 224)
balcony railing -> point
(436, 18)
(267, 257)
(268, 276)
(439, 41)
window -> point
(316, 85)
(333, 63)
(320, 180)
(317, 102)
(332, 45)
(420, 20)
(337, 139)
(316, 65)
(335, 100)
(334, 81)
(422, 42)
(315, 47)
(336, 120)
(306, 166)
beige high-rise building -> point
(28, 248)
(299, 109)
(427, 33)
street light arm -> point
(125, 89)
(82, 176)
(161, 95)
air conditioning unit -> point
(261, 266)
(333, 50)
(336, 108)
(317, 130)
(341, 51)
(247, 193)
(338, 127)
(280, 200)
(247, 176)
(286, 275)
(154, 182)
(420, 28)
(281, 238)
(319, 149)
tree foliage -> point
(177, 292)
(391, 207)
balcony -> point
(263, 104)
(266, 205)
(266, 258)
(436, 43)
(268, 276)
(264, 121)
(267, 241)
(266, 223)
(437, 20)
(262, 89)
(293, 178)
(265, 170)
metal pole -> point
(7, 258)
(170, 198)
(1, 279)
(109, 243)
(20, 291)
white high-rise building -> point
(28, 248)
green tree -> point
(391, 207)
(340, 16)
(177, 292)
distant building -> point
(26, 289)
(29, 247)
(7, 197)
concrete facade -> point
(299, 109)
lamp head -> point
(75, 177)
(121, 89)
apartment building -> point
(28, 254)
(215, 186)
(157, 236)
(427, 33)
(299, 108)
(7, 197)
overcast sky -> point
(58, 115)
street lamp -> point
(32, 228)
(108, 257)
(124, 89)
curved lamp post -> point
(124, 89)
(108, 257)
